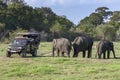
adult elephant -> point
(82, 43)
(104, 46)
(62, 45)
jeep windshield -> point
(19, 41)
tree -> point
(2, 29)
(95, 19)
(66, 24)
(13, 33)
(103, 11)
(115, 20)
(56, 29)
(3, 11)
(106, 32)
(86, 26)
(89, 24)
(118, 34)
(17, 15)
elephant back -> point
(83, 43)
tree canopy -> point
(102, 23)
(17, 15)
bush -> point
(106, 32)
(13, 33)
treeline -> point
(17, 16)
(101, 24)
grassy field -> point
(45, 67)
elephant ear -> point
(54, 42)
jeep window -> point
(19, 41)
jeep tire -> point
(8, 54)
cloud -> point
(68, 2)
(54, 2)
(57, 1)
(48, 2)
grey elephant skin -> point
(82, 43)
(104, 46)
(62, 45)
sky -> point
(75, 10)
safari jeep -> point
(25, 43)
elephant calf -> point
(104, 46)
(83, 44)
(62, 45)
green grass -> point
(45, 67)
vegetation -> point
(101, 21)
(45, 67)
(106, 32)
(15, 14)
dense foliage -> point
(16, 14)
(101, 24)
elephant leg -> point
(84, 54)
(104, 55)
(89, 53)
(58, 52)
(113, 53)
(62, 54)
(75, 53)
(99, 55)
(108, 55)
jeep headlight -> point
(9, 47)
(19, 47)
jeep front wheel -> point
(8, 54)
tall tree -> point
(95, 19)
(104, 12)
(3, 11)
(106, 31)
